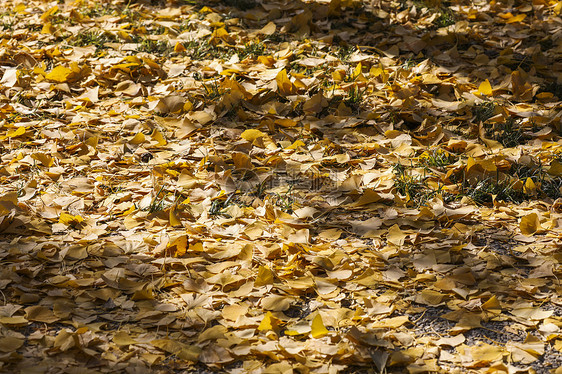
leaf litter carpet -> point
(278, 187)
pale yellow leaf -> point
(121, 338)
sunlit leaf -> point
(59, 74)
(485, 88)
(318, 329)
(529, 224)
(269, 322)
(70, 220)
(251, 135)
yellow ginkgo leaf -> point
(378, 70)
(492, 304)
(121, 338)
(268, 29)
(369, 196)
(530, 187)
(178, 248)
(269, 322)
(43, 158)
(265, 277)
(318, 329)
(47, 28)
(529, 224)
(173, 217)
(138, 139)
(284, 84)
(296, 144)
(518, 18)
(485, 88)
(485, 353)
(395, 235)
(59, 74)
(251, 135)
(20, 8)
(179, 47)
(558, 8)
(10, 344)
(18, 132)
(49, 12)
(159, 137)
(555, 168)
(357, 71)
(69, 219)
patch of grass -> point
(157, 30)
(509, 133)
(98, 10)
(212, 89)
(438, 159)
(252, 49)
(276, 38)
(409, 64)
(552, 187)
(355, 97)
(484, 111)
(484, 192)
(547, 184)
(201, 50)
(8, 23)
(157, 203)
(95, 38)
(220, 204)
(413, 187)
(155, 47)
(285, 201)
(344, 52)
(446, 18)
(241, 4)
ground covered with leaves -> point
(281, 186)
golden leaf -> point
(251, 135)
(485, 88)
(268, 29)
(269, 322)
(59, 74)
(492, 304)
(530, 188)
(555, 168)
(518, 18)
(18, 132)
(529, 224)
(318, 329)
(284, 85)
(179, 47)
(40, 314)
(69, 219)
(391, 323)
(173, 217)
(265, 277)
